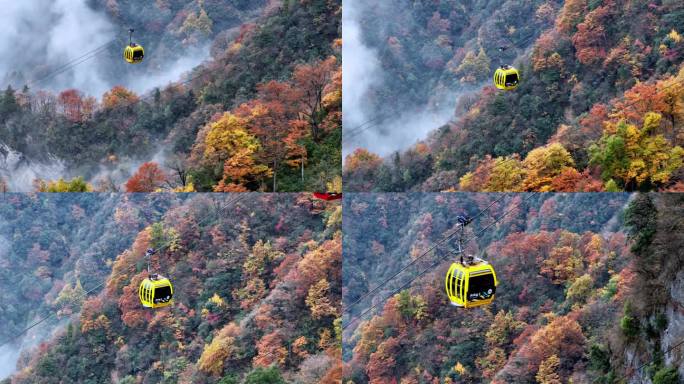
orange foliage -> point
(118, 96)
(91, 307)
(544, 55)
(570, 15)
(570, 180)
(238, 169)
(322, 262)
(149, 178)
(637, 101)
(264, 317)
(562, 337)
(626, 281)
(381, 364)
(299, 347)
(133, 314)
(271, 350)
(592, 124)
(269, 120)
(312, 81)
(361, 159)
(124, 265)
(335, 373)
(74, 106)
(589, 40)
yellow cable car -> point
(506, 78)
(156, 292)
(471, 284)
(133, 53)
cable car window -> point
(512, 78)
(137, 54)
(459, 285)
(162, 295)
(481, 287)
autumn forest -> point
(599, 106)
(584, 295)
(257, 280)
(255, 116)
(319, 192)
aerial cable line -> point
(53, 312)
(35, 324)
(350, 133)
(360, 128)
(353, 132)
(415, 260)
(71, 64)
(360, 316)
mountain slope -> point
(279, 74)
(578, 296)
(255, 297)
(594, 72)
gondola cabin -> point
(134, 53)
(471, 284)
(327, 196)
(156, 292)
(506, 78)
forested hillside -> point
(600, 106)
(51, 243)
(257, 288)
(585, 295)
(262, 114)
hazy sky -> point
(46, 34)
(52, 32)
(362, 70)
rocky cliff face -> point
(655, 347)
(674, 333)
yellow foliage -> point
(335, 218)
(197, 22)
(228, 141)
(638, 155)
(674, 36)
(507, 175)
(662, 48)
(216, 299)
(189, 186)
(335, 185)
(60, 186)
(332, 98)
(459, 368)
(543, 164)
(318, 301)
(221, 348)
(226, 137)
(235, 47)
(466, 181)
(326, 339)
(548, 371)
